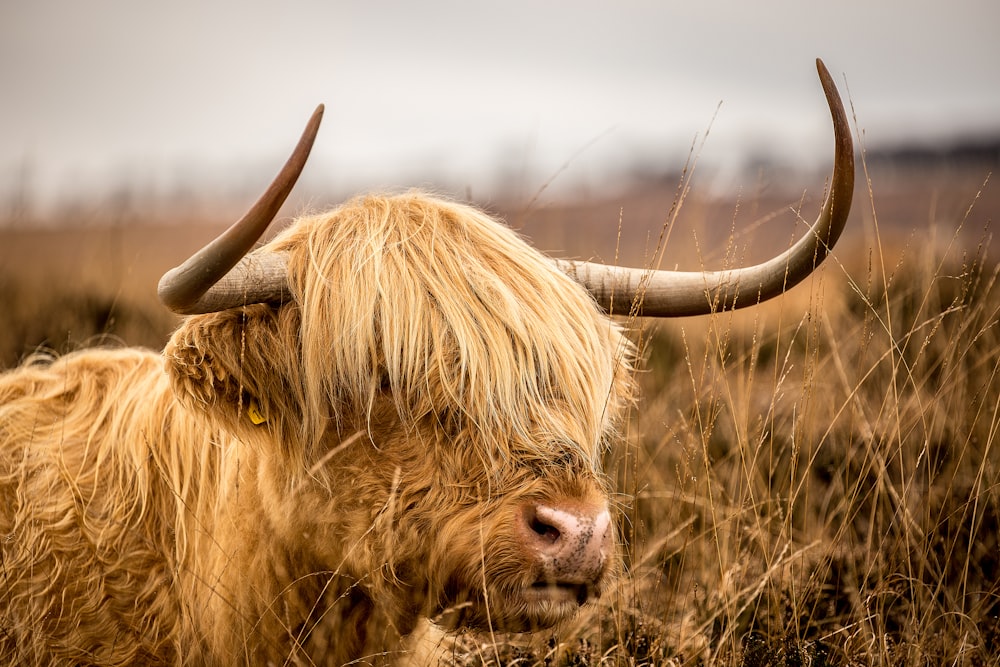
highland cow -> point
(394, 411)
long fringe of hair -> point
(453, 315)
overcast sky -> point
(99, 92)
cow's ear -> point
(235, 365)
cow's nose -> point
(573, 542)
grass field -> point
(812, 482)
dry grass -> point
(814, 482)
(834, 475)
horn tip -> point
(824, 73)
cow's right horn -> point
(215, 278)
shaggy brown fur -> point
(431, 375)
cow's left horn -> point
(208, 282)
(675, 293)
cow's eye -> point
(562, 460)
(571, 456)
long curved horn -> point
(204, 283)
(657, 293)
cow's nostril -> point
(571, 540)
(547, 531)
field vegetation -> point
(812, 482)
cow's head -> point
(426, 397)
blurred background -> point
(131, 132)
(204, 98)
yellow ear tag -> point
(256, 416)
